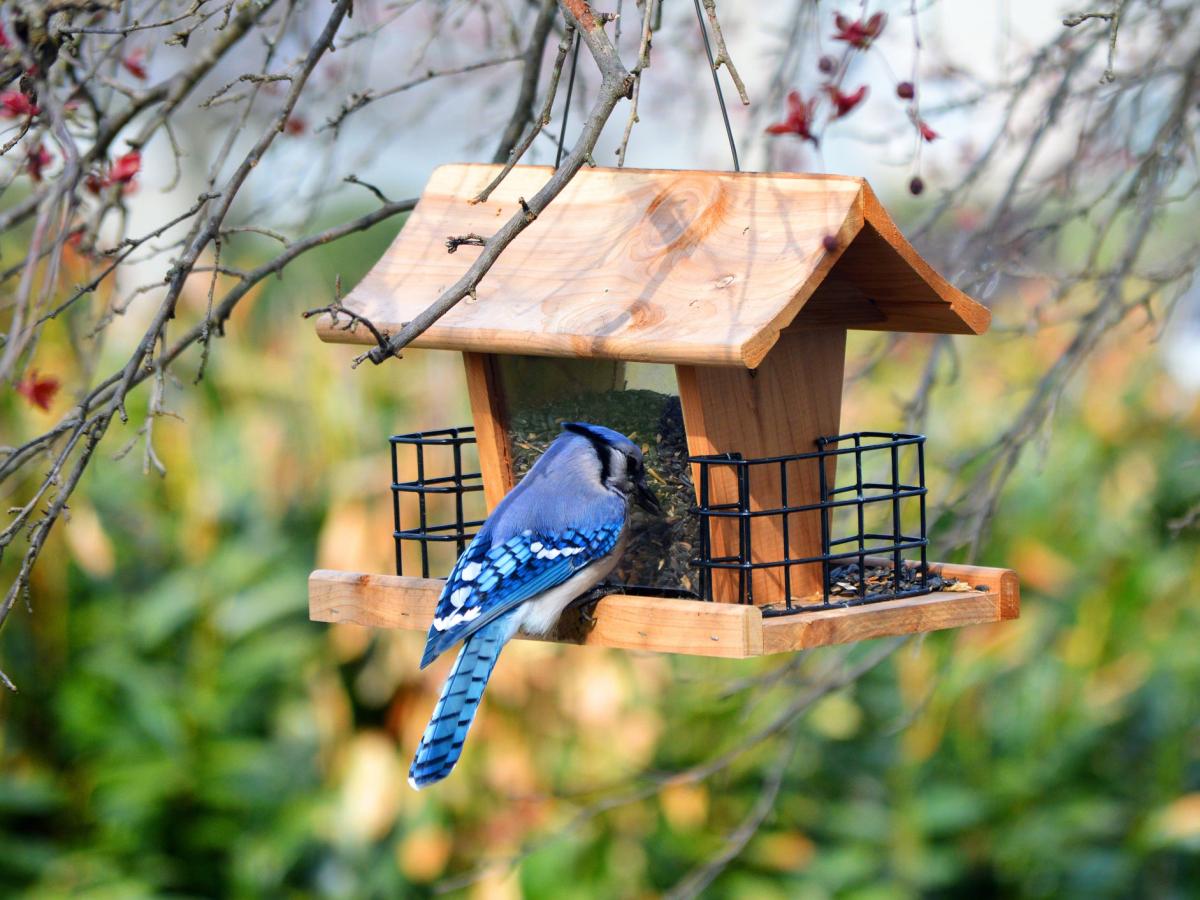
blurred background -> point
(182, 729)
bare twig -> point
(514, 155)
(616, 84)
(92, 427)
(365, 98)
(722, 55)
(353, 179)
(643, 62)
(472, 239)
(531, 70)
(353, 319)
(1113, 19)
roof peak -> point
(657, 265)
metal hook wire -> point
(717, 84)
(562, 132)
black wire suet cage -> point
(872, 521)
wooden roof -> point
(657, 266)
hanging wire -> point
(717, 84)
(562, 132)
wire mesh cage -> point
(871, 516)
(441, 487)
(860, 521)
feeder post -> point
(780, 408)
(489, 412)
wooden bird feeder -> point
(738, 290)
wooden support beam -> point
(778, 409)
(489, 412)
(729, 630)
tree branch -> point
(531, 71)
(615, 85)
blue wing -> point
(490, 579)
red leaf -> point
(926, 132)
(845, 103)
(135, 63)
(799, 118)
(857, 32)
(125, 167)
(4, 41)
(16, 104)
(39, 157)
(39, 391)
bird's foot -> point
(586, 603)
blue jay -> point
(554, 537)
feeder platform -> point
(695, 627)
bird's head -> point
(621, 466)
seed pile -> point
(845, 582)
(660, 546)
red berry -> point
(827, 64)
(905, 90)
(916, 185)
(830, 243)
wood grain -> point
(374, 601)
(912, 296)
(685, 267)
(838, 303)
(489, 412)
(1003, 581)
(620, 621)
(728, 630)
(932, 612)
(778, 409)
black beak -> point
(645, 498)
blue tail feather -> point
(442, 743)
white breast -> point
(539, 615)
